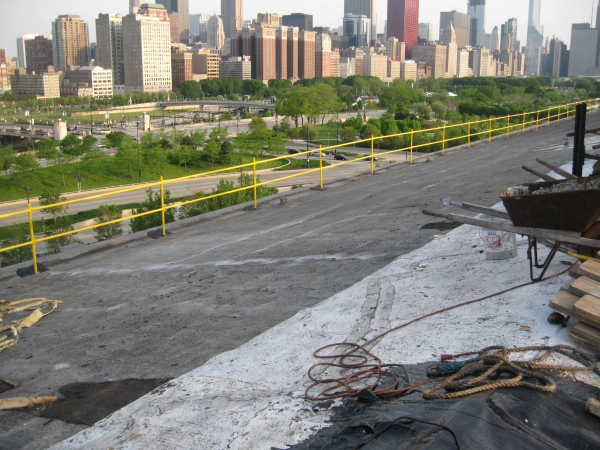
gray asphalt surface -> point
(143, 308)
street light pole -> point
(137, 139)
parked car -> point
(13, 129)
(77, 133)
(71, 128)
(375, 158)
(293, 151)
(316, 154)
(99, 132)
(41, 132)
(341, 157)
(26, 130)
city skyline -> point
(556, 17)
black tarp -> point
(507, 419)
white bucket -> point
(499, 245)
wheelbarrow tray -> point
(566, 205)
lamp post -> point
(137, 139)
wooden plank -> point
(585, 286)
(586, 334)
(592, 406)
(551, 235)
(567, 287)
(475, 208)
(590, 269)
(558, 170)
(564, 302)
(574, 270)
(537, 173)
(588, 309)
(23, 402)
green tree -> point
(152, 203)
(26, 166)
(61, 225)
(197, 138)
(257, 125)
(294, 104)
(156, 158)
(71, 145)
(424, 112)
(108, 213)
(127, 155)
(211, 152)
(370, 131)
(114, 140)
(15, 235)
(51, 197)
(254, 88)
(184, 155)
(65, 164)
(46, 149)
(94, 157)
(348, 134)
(7, 158)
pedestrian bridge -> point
(229, 104)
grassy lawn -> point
(11, 188)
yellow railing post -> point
(508, 126)
(469, 133)
(444, 140)
(549, 113)
(32, 233)
(412, 134)
(255, 197)
(524, 121)
(568, 112)
(321, 164)
(491, 130)
(559, 114)
(372, 155)
(162, 206)
(537, 120)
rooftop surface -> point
(139, 308)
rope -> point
(367, 371)
(494, 361)
(10, 331)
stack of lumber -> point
(580, 299)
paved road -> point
(144, 308)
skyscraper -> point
(21, 51)
(403, 22)
(232, 13)
(508, 37)
(495, 47)
(358, 30)
(583, 56)
(535, 39)
(363, 8)
(147, 40)
(477, 13)
(462, 26)
(449, 38)
(109, 46)
(215, 35)
(181, 11)
(70, 42)
(39, 54)
(322, 55)
(134, 5)
(304, 22)
(426, 31)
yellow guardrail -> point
(488, 128)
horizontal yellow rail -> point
(476, 129)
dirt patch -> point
(441, 226)
(28, 271)
(87, 403)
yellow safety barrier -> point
(475, 129)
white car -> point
(13, 129)
(100, 132)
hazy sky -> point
(35, 16)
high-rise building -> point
(335, 63)
(306, 54)
(236, 67)
(449, 38)
(358, 30)
(21, 51)
(215, 34)
(535, 39)
(147, 40)
(426, 32)
(322, 55)
(179, 11)
(408, 70)
(98, 79)
(508, 37)
(481, 62)
(199, 27)
(110, 53)
(292, 53)
(70, 42)
(270, 19)
(134, 5)
(477, 13)
(232, 13)
(366, 8)
(6, 72)
(304, 22)
(205, 63)
(495, 46)
(395, 50)
(358, 55)
(403, 22)
(266, 53)
(42, 85)
(375, 66)
(462, 63)
(39, 54)
(462, 26)
(181, 67)
(432, 54)
(347, 66)
(583, 56)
